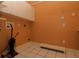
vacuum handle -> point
(16, 34)
(11, 30)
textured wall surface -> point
(50, 27)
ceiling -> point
(52, 2)
(1, 2)
(35, 2)
(1, 5)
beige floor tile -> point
(33, 50)
(70, 55)
(23, 49)
(19, 50)
(77, 55)
(60, 55)
(51, 52)
(19, 56)
(38, 56)
(22, 46)
(50, 56)
(43, 52)
(38, 48)
(29, 54)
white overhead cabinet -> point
(19, 8)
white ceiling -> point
(52, 2)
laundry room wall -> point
(57, 24)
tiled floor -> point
(33, 50)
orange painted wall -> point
(48, 27)
(24, 32)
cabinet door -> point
(4, 37)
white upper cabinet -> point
(19, 8)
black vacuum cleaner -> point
(11, 45)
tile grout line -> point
(65, 53)
(45, 55)
(37, 54)
(55, 54)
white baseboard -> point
(52, 46)
(58, 48)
